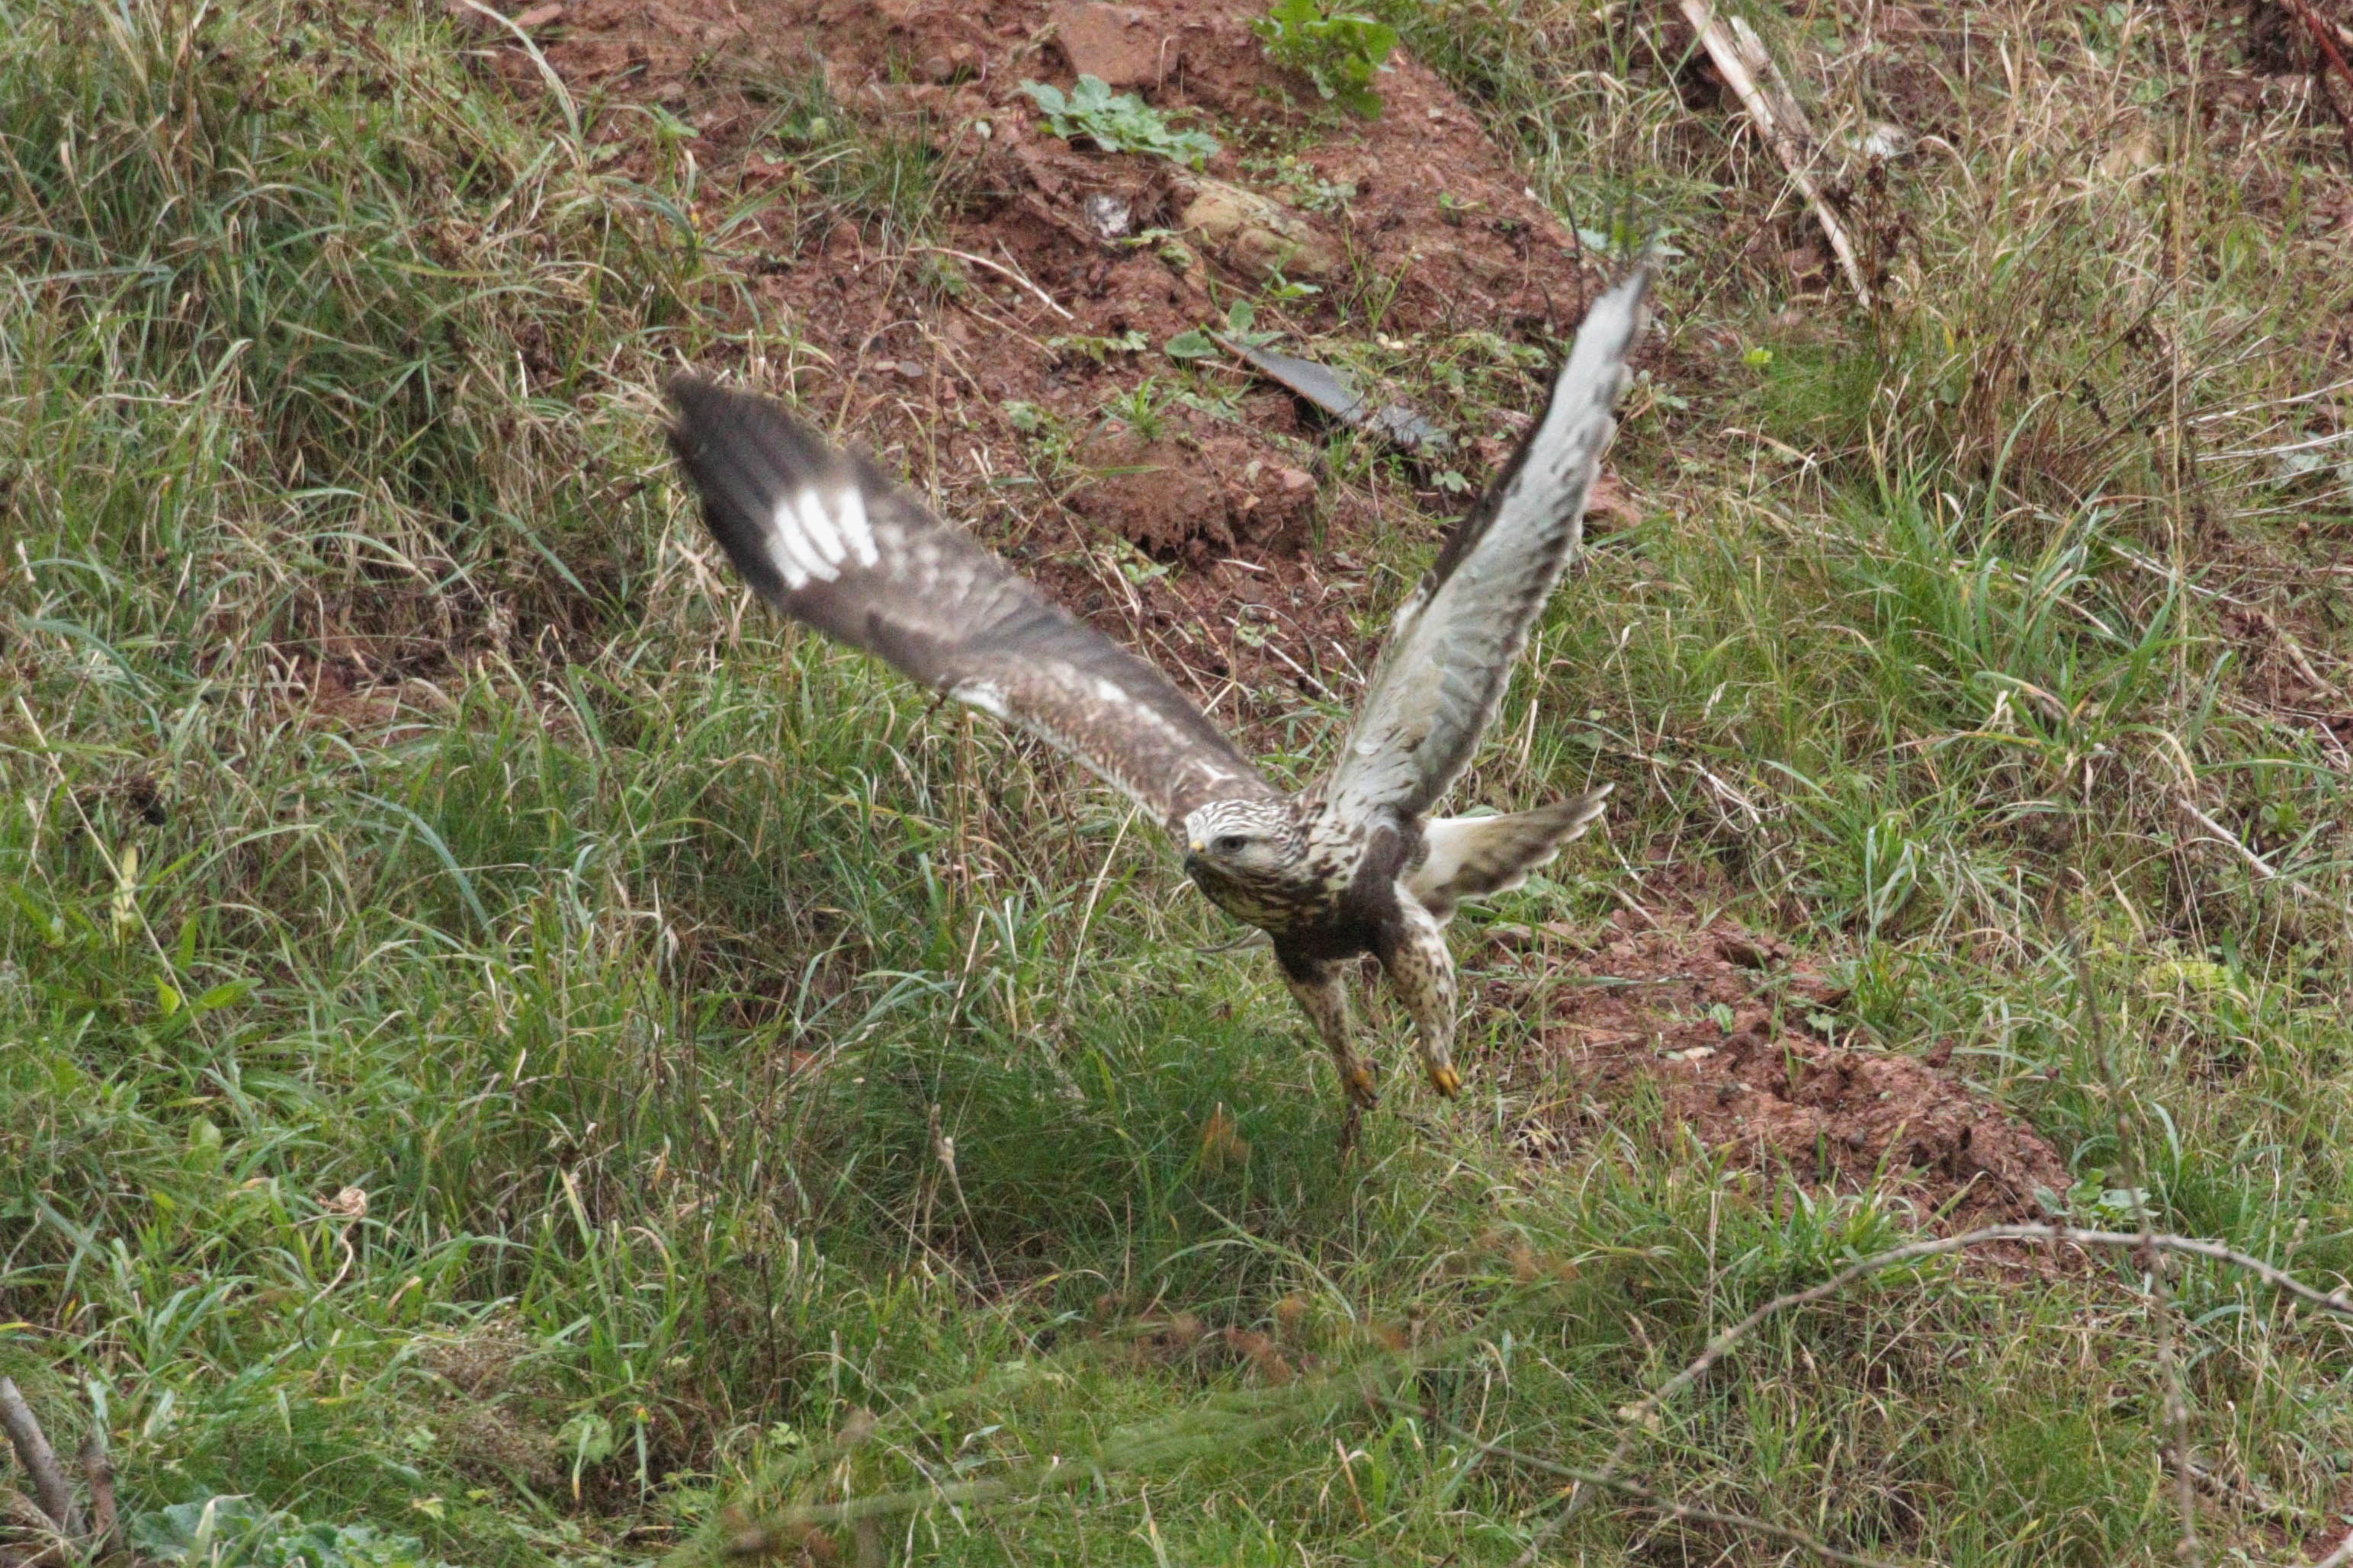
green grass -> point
(392, 801)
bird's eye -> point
(1230, 844)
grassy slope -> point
(322, 350)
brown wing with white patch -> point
(1452, 647)
(825, 537)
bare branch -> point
(2263, 869)
(1740, 57)
(1649, 1497)
(50, 1490)
(1640, 1416)
(105, 1521)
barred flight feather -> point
(827, 539)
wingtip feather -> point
(1609, 331)
(744, 453)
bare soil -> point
(1782, 1089)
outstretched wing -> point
(1451, 650)
(825, 537)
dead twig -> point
(1649, 1497)
(105, 1520)
(1007, 273)
(1640, 1417)
(2263, 869)
(50, 1490)
(1740, 57)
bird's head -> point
(1237, 839)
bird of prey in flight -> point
(1352, 864)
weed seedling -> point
(1309, 191)
(1099, 349)
(1241, 327)
(1120, 123)
(1140, 408)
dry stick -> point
(1002, 271)
(105, 1521)
(1639, 1417)
(1650, 1498)
(50, 1490)
(1740, 57)
(2261, 867)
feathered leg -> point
(1421, 972)
(1324, 997)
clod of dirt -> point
(1773, 1097)
(953, 62)
(1120, 44)
(1608, 507)
(1190, 495)
(1751, 951)
(1259, 237)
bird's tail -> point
(1471, 857)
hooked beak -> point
(1195, 847)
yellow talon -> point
(1446, 1080)
(1359, 1085)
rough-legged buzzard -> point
(1352, 866)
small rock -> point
(1108, 217)
(1117, 43)
(953, 64)
(1750, 952)
(1607, 503)
(539, 15)
(1257, 236)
